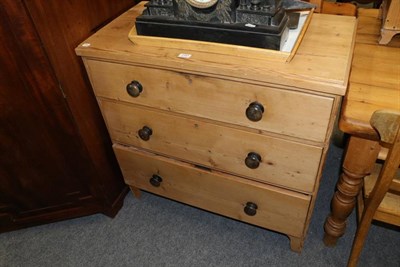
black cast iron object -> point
(254, 23)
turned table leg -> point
(359, 160)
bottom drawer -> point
(276, 209)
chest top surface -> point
(321, 64)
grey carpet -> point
(154, 231)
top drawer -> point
(285, 112)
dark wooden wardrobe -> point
(56, 160)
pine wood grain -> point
(200, 133)
(284, 163)
(278, 209)
(305, 115)
(374, 85)
(375, 77)
(321, 63)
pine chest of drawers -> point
(237, 135)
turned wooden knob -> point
(155, 180)
(145, 133)
(252, 160)
(250, 208)
(255, 111)
(134, 88)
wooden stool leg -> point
(359, 161)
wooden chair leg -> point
(363, 229)
(372, 203)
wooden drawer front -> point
(290, 113)
(277, 209)
(283, 162)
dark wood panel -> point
(42, 158)
(56, 160)
(62, 25)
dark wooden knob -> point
(255, 111)
(252, 160)
(155, 180)
(134, 88)
(250, 208)
(145, 133)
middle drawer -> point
(258, 157)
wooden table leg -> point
(359, 160)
